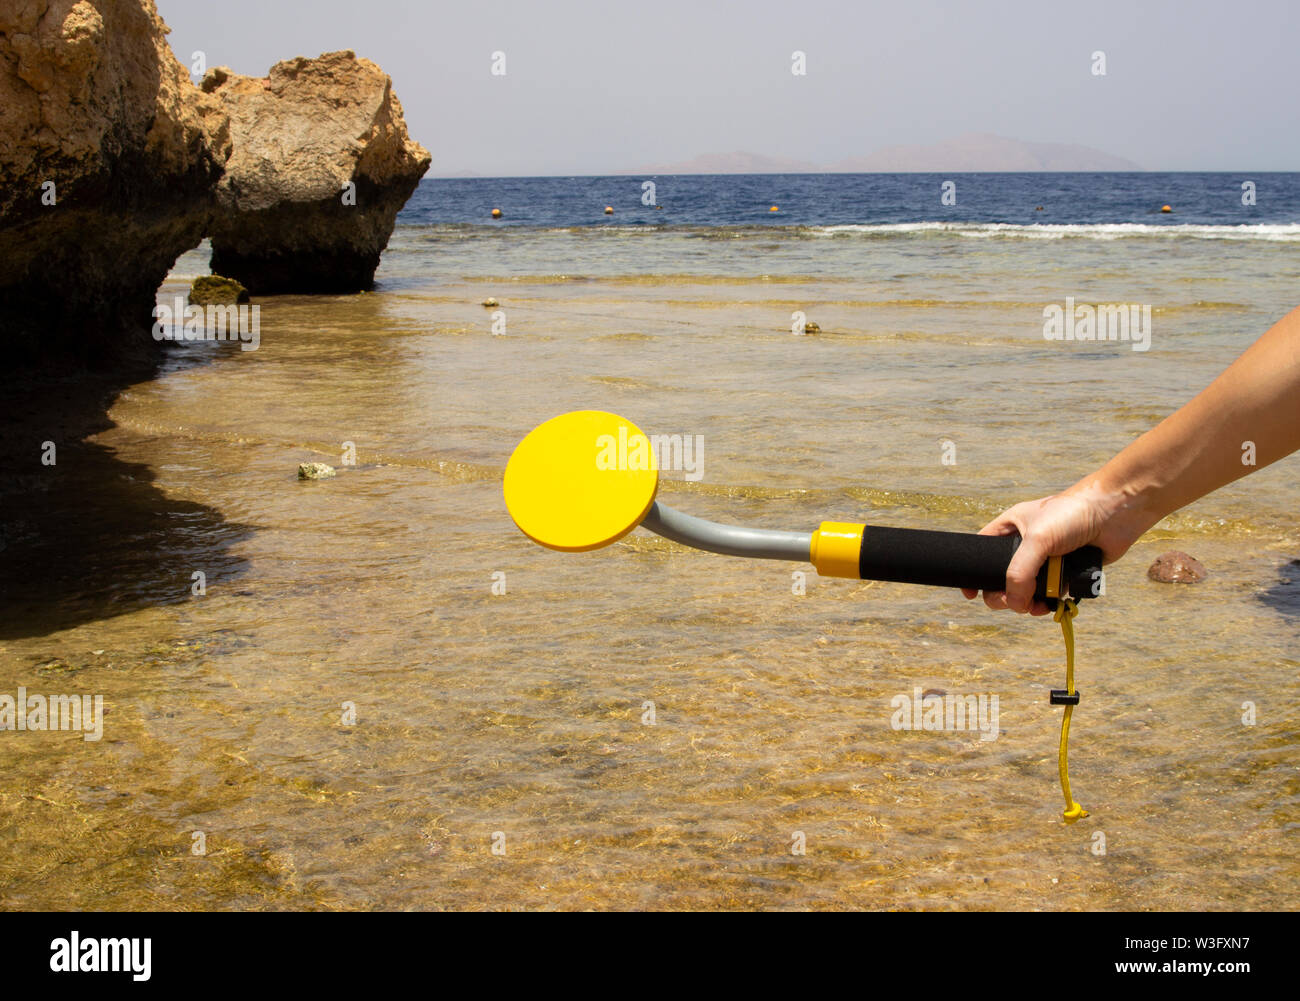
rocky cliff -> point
(109, 159)
(321, 164)
(112, 163)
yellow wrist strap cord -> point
(1066, 610)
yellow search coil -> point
(581, 480)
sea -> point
(373, 691)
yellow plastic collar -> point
(1054, 576)
(837, 549)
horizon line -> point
(473, 176)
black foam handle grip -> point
(957, 559)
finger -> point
(1039, 608)
(1022, 574)
(968, 592)
(996, 600)
(1003, 524)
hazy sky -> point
(592, 86)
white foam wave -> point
(1275, 232)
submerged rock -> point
(108, 159)
(1176, 567)
(315, 471)
(214, 290)
(321, 163)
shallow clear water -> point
(525, 713)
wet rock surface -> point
(214, 290)
(1177, 567)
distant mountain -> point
(973, 152)
(733, 163)
(980, 151)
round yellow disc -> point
(581, 480)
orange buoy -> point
(1165, 208)
(609, 210)
(496, 213)
(774, 209)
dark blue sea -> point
(875, 200)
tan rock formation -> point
(108, 157)
(112, 164)
(321, 164)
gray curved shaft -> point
(729, 540)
